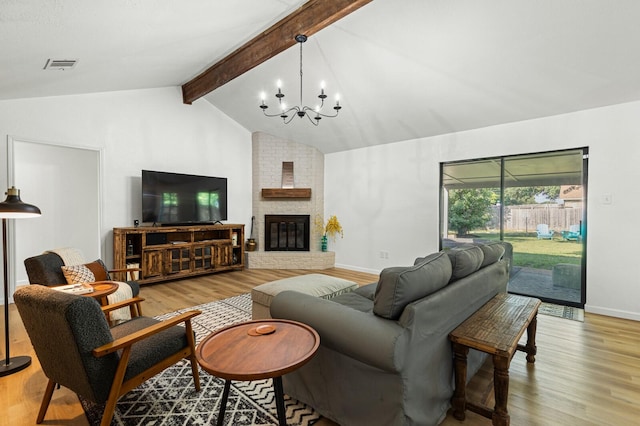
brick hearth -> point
(290, 260)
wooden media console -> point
(167, 253)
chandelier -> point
(313, 114)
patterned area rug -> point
(170, 398)
(567, 312)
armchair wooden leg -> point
(46, 399)
(194, 371)
(116, 385)
(192, 356)
(109, 409)
(135, 310)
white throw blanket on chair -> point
(122, 293)
(70, 256)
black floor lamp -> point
(12, 208)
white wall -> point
(138, 129)
(386, 197)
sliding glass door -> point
(536, 202)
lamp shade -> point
(14, 208)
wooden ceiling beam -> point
(308, 19)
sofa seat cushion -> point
(399, 286)
(464, 261)
(152, 350)
(356, 301)
(367, 290)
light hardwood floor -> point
(585, 373)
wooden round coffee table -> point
(101, 289)
(262, 349)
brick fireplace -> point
(268, 154)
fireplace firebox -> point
(286, 232)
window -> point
(534, 201)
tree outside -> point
(470, 209)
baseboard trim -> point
(358, 269)
(617, 313)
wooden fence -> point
(525, 218)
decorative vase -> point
(323, 243)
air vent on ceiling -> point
(60, 64)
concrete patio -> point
(539, 283)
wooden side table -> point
(101, 289)
(495, 329)
(256, 350)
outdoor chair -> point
(543, 231)
(77, 349)
(573, 234)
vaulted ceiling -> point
(404, 69)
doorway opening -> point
(46, 174)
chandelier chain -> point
(300, 73)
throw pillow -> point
(77, 274)
(492, 253)
(99, 270)
(399, 286)
(465, 261)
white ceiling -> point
(404, 69)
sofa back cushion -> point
(464, 261)
(492, 251)
(398, 286)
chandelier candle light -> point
(300, 110)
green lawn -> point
(529, 251)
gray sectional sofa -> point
(385, 358)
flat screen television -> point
(182, 199)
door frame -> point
(39, 182)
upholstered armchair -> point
(77, 349)
(49, 269)
(46, 269)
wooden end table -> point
(101, 289)
(495, 329)
(257, 350)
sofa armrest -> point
(363, 336)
